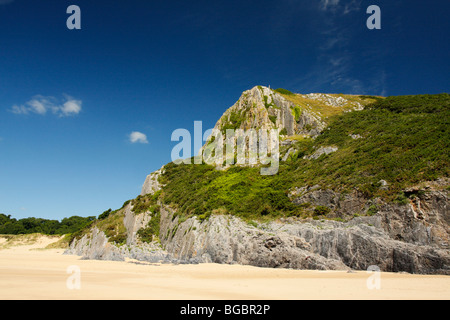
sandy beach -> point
(27, 271)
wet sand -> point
(29, 272)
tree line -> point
(10, 225)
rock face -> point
(263, 108)
(151, 184)
(95, 245)
(310, 244)
(396, 238)
(423, 220)
(229, 240)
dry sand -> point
(28, 272)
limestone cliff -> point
(394, 239)
(411, 235)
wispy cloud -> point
(42, 105)
(138, 137)
(328, 4)
(338, 55)
(338, 6)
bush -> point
(321, 211)
(373, 210)
(105, 214)
(151, 232)
(284, 91)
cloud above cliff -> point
(42, 105)
(138, 137)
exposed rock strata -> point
(151, 184)
(397, 238)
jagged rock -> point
(383, 185)
(151, 184)
(398, 238)
(324, 245)
(257, 106)
(355, 136)
(95, 246)
(228, 240)
(321, 151)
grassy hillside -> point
(402, 140)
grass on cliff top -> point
(325, 110)
(405, 140)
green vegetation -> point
(297, 113)
(273, 119)
(325, 110)
(403, 140)
(145, 203)
(151, 232)
(73, 224)
(406, 140)
(105, 214)
(284, 91)
(113, 227)
(321, 211)
(235, 122)
(372, 210)
(201, 190)
(269, 105)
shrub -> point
(151, 232)
(105, 214)
(373, 210)
(321, 211)
(284, 91)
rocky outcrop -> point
(306, 244)
(95, 245)
(422, 220)
(151, 184)
(263, 108)
(321, 151)
(229, 240)
(411, 237)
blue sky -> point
(71, 99)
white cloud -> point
(38, 106)
(71, 107)
(138, 137)
(41, 105)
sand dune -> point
(29, 272)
